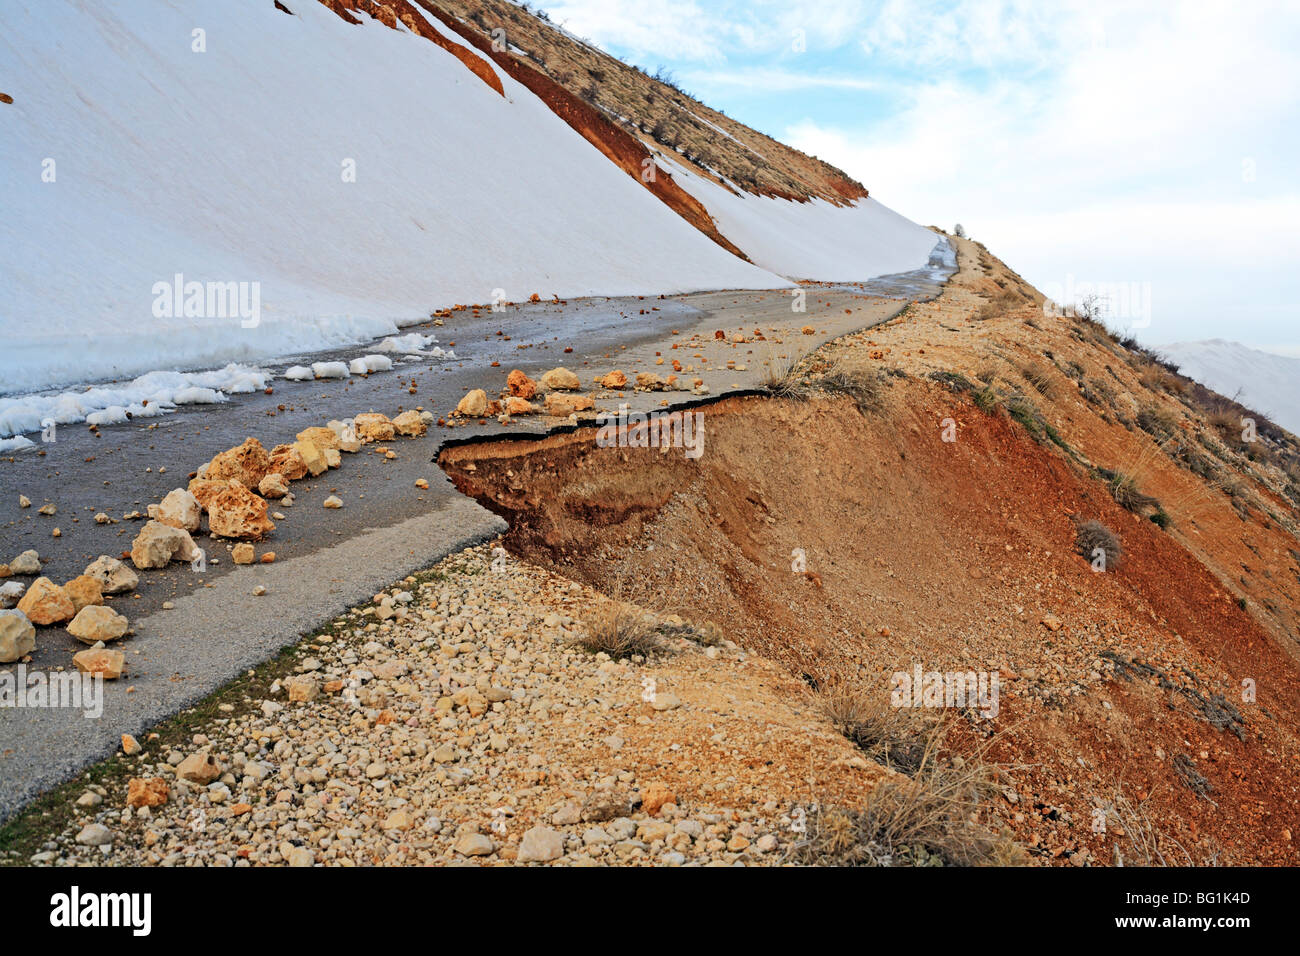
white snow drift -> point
(129, 157)
(813, 240)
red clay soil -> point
(391, 11)
(956, 557)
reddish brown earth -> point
(962, 556)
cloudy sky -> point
(1151, 149)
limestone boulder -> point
(113, 575)
(410, 424)
(179, 509)
(158, 544)
(238, 513)
(100, 660)
(246, 463)
(84, 591)
(17, 636)
(98, 623)
(560, 380)
(372, 426)
(473, 405)
(46, 603)
(286, 461)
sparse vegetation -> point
(935, 818)
(1092, 536)
(619, 630)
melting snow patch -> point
(298, 373)
(16, 444)
(370, 363)
(145, 397)
(329, 370)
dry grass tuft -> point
(619, 630)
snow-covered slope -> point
(1268, 383)
(815, 239)
(229, 165)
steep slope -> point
(1267, 383)
(938, 484)
(239, 154)
(788, 212)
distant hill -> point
(1267, 383)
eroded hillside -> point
(939, 484)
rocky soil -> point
(454, 721)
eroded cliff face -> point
(941, 526)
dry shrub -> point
(1039, 379)
(861, 385)
(933, 817)
(1091, 535)
(891, 736)
(619, 630)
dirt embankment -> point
(852, 544)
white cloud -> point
(1126, 162)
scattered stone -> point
(274, 485)
(654, 798)
(247, 463)
(473, 405)
(130, 746)
(84, 591)
(29, 562)
(302, 689)
(47, 509)
(520, 385)
(243, 553)
(238, 513)
(178, 509)
(614, 380)
(98, 623)
(473, 844)
(541, 845)
(372, 426)
(113, 575)
(46, 603)
(560, 379)
(410, 423)
(287, 462)
(100, 661)
(10, 592)
(95, 834)
(199, 767)
(17, 636)
(312, 457)
(157, 545)
(562, 406)
(320, 437)
(333, 501)
(151, 792)
(24, 501)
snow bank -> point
(814, 240)
(145, 397)
(342, 208)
